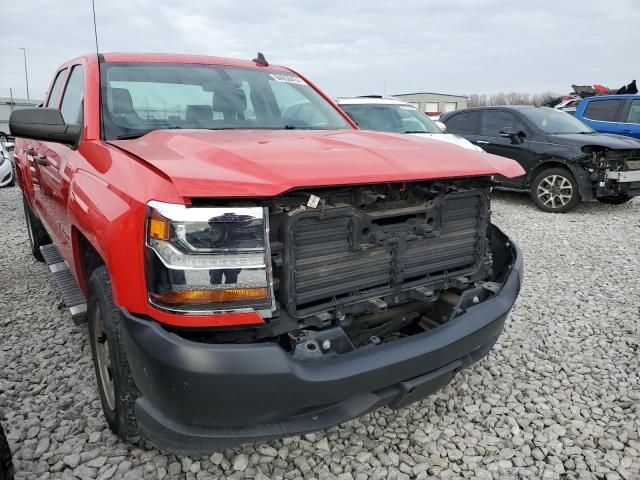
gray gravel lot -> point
(559, 396)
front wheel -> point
(555, 190)
(617, 200)
(117, 390)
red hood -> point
(263, 163)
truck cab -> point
(249, 263)
(616, 114)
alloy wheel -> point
(555, 191)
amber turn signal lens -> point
(207, 296)
(158, 229)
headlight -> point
(208, 259)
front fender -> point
(581, 174)
(112, 223)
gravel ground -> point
(559, 396)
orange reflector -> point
(158, 229)
(206, 296)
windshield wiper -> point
(131, 136)
(416, 131)
(294, 127)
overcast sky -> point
(346, 47)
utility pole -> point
(26, 74)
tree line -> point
(513, 98)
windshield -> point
(390, 118)
(140, 97)
(550, 120)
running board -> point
(66, 283)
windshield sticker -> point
(286, 78)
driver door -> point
(34, 149)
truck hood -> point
(264, 163)
(615, 142)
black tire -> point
(555, 190)
(6, 466)
(38, 236)
(619, 200)
(118, 392)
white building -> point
(434, 103)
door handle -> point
(42, 160)
(482, 142)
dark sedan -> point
(565, 160)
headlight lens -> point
(208, 259)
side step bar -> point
(69, 289)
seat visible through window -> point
(198, 114)
(122, 108)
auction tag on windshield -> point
(313, 201)
(287, 78)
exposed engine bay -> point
(357, 265)
(607, 169)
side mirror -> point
(441, 126)
(43, 124)
(516, 136)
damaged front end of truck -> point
(371, 295)
(361, 265)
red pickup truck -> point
(249, 263)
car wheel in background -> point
(38, 236)
(6, 466)
(118, 392)
(555, 190)
(617, 200)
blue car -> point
(618, 114)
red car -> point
(250, 264)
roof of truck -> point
(119, 57)
(609, 97)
